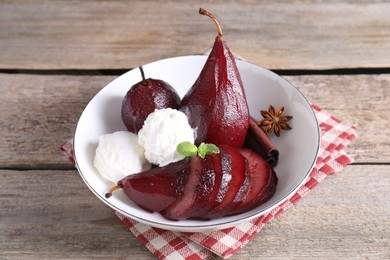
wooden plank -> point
(360, 100)
(39, 112)
(121, 34)
(52, 214)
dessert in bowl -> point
(223, 182)
(298, 148)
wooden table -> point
(55, 55)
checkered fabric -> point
(165, 244)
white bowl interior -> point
(298, 147)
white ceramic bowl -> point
(298, 147)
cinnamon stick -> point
(258, 141)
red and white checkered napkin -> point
(165, 244)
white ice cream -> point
(162, 131)
(118, 155)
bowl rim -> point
(212, 226)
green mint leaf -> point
(212, 148)
(206, 149)
(186, 149)
(202, 150)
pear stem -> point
(144, 83)
(207, 13)
(109, 193)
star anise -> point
(274, 120)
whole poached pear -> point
(143, 98)
(216, 105)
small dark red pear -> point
(143, 98)
(216, 105)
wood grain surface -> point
(49, 35)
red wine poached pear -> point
(143, 98)
(216, 105)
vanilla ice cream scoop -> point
(162, 131)
(118, 155)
